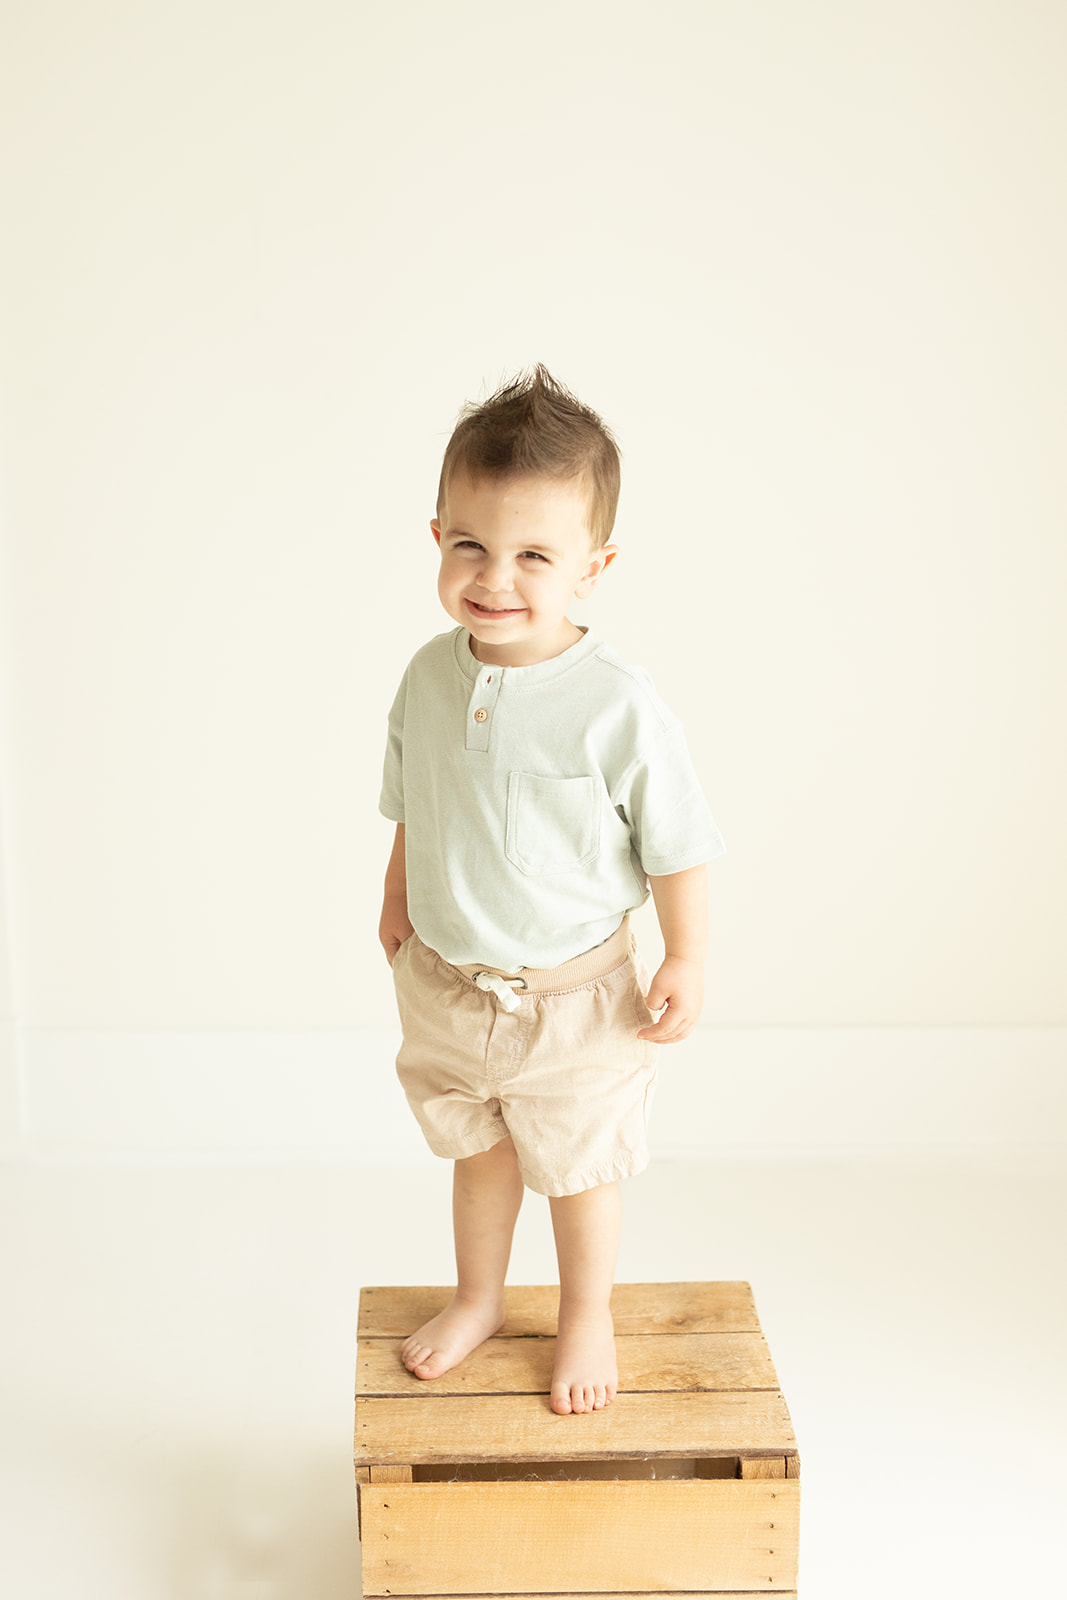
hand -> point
(678, 985)
(394, 927)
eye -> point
(467, 544)
(535, 555)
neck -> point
(526, 655)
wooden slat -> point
(524, 1428)
(676, 1594)
(681, 1361)
(395, 1310)
(761, 1467)
(580, 1538)
(393, 1474)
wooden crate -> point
(471, 1485)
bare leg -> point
(587, 1228)
(487, 1192)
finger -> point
(668, 1030)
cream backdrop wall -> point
(807, 259)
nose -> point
(494, 575)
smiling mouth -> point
(494, 611)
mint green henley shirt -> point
(536, 800)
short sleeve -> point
(660, 797)
(391, 803)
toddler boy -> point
(539, 787)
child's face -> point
(514, 553)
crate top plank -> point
(647, 1363)
(425, 1429)
(394, 1310)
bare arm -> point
(395, 925)
(682, 909)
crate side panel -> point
(581, 1538)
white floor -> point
(178, 1345)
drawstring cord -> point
(503, 988)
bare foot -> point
(444, 1341)
(586, 1374)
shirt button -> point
(481, 714)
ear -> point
(600, 562)
(435, 529)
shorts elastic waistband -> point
(572, 974)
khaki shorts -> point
(564, 1073)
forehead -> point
(501, 504)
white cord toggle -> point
(493, 983)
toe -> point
(561, 1402)
(428, 1363)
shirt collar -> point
(525, 677)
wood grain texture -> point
(524, 1428)
(760, 1467)
(394, 1310)
(654, 1362)
(580, 1538)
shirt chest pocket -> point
(553, 824)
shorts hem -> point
(475, 1144)
(624, 1166)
